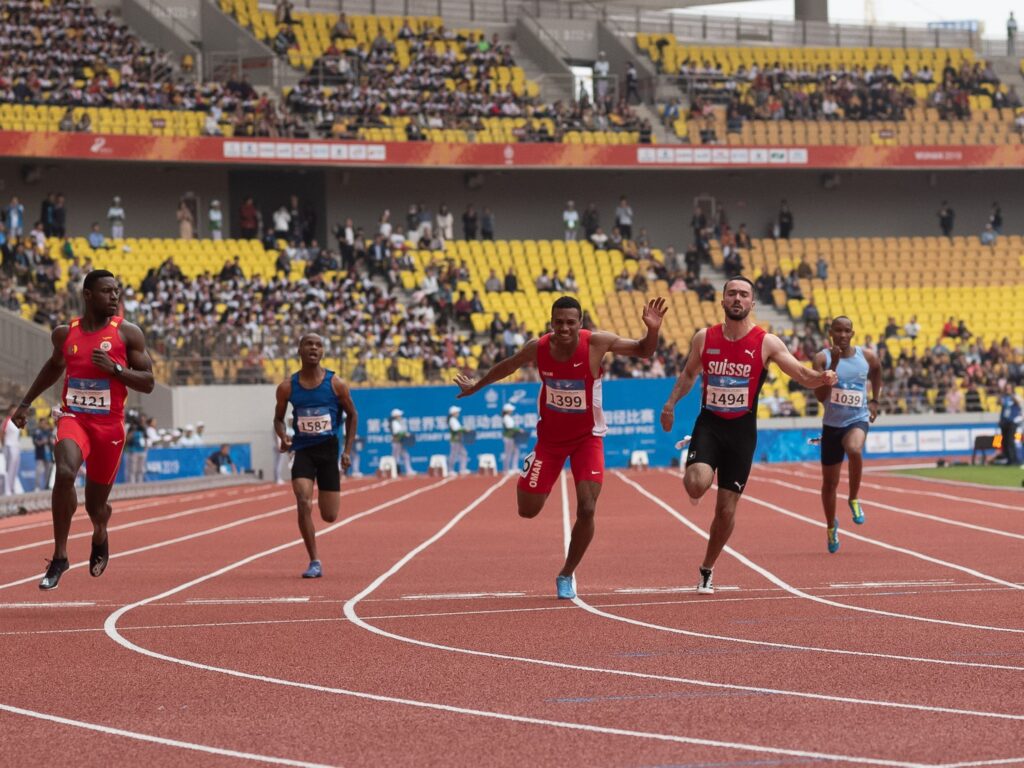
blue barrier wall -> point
(632, 408)
(161, 463)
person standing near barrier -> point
(732, 359)
(11, 437)
(510, 436)
(1010, 418)
(399, 436)
(848, 416)
(318, 398)
(42, 441)
(102, 357)
(457, 437)
(572, 424)
(135, 447)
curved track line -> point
(903, 511)
(823, 600)
(179, 539)
(158, 739)
(110, 626)
(351, 615)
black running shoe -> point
(54, 571)
(99, 556)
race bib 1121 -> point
(91, 396)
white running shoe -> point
(705, 586)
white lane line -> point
(147, 521)
(909, 512)
(462, 595)
(244, 600)
(997, 761)
(869, 584)
(48, 605)
(178, 540)
(888, 484)
(792, 590)
(849, 534)
(189, 745)
(351, 614)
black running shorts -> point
(320, 463)
(726, 445)
(832, 450)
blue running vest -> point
(315, 416)
(848, 401)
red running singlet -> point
(733, 372)
(569, 405)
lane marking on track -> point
(83, 604)
(187, 537)
(189, 745)
(890, 483)
(868, 584)
(997, 761)
(147, 521)
(244, 600)
(462, 595)
(789, 646)
(910, 512)
(859, 537)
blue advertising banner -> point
(632, 408)
(161, 463)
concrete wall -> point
(529, 204)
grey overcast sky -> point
(992, 13)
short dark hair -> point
(567, 302)
(94, 277)
(837, 318)
(738, 277)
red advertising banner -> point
(299, 152)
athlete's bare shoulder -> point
(130, 332)
(60, 335)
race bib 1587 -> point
(313, 421)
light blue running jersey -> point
(848, 401)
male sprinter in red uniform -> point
(732, 359)
(572, 421)
(103, 356)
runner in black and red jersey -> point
(571, 424)
(732, 359)
(103, 356)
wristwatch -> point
(118, 368)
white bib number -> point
(88, 396)
(730, 398)
(314, 421)
(850, 398)
(570, 400)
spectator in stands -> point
(705, 290)
(116, 217)
(812, 316)
(792, 288)
(591, 221)
(821, 268)
(946, 216)
(67, 121)
(186, 221)
(14, 219)
(892, 330)
(913, 328)
(988, 235)
(1011, 36)
(602, 76)
(216, 219)
(445, 223)
(732, 262)
(470, 222)
(803, 269)
(624, 218)
(249, 219)
(949, 329)
(785, 221)
(96, 238)
(544, 281)
(487, 224)
(59, 217)
(511, 281)
(743, 237)
(996, 218)
(599, 239)
(493, 283)
(570, 221)
(632, 84)
(972, 399)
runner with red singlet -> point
(732, 359)
(102, 357)
(571, 424)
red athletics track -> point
(434, 637)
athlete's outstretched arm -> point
(283, 394)
(351, 419)
(47, 376)
(875, 377)
(508, 366)
(684, 383)
(654, 313)
(822, 393)
(138, 374)
(805, 377)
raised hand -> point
(467, 385)
(654, 312)
(668, 416)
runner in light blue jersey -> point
(848, 413)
